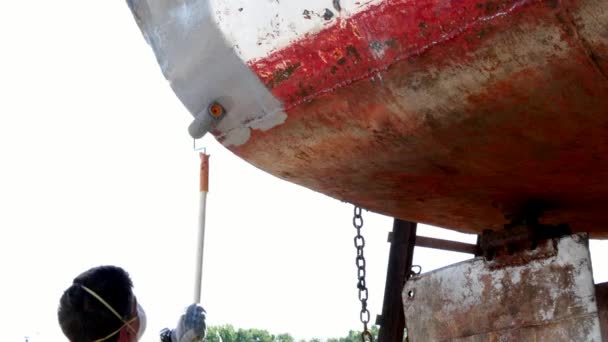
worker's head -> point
(100, 306)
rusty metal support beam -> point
(454, 246)
(401, 255)
(523, 232)
(601, 297)
(478, 251)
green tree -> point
(259, 335)
(244, 336)
(355, 336)
(284, 338)
(223, 333)
(227, 333)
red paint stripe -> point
(371, 41)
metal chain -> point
(360, 262)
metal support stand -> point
(541, 294)
(403, 240)
(520, 262)
(392, 321)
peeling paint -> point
(337, 6)
(260, 34)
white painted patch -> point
(202, 67)
(203, 47)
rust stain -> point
(282, 74)
(352, 52)
(304, 89)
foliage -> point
(355, 336)
(227, 333)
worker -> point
(100, 306)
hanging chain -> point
(360, 262)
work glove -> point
(191, 326)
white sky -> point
(97, 168)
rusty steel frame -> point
(401, 255)
(601, 295)
(447, 245)
(403, 240)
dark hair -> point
(82, 317)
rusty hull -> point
(452, 113)
(550, 297)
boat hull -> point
(451, 113)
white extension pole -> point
(204, 188)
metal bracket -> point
(524, 232)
